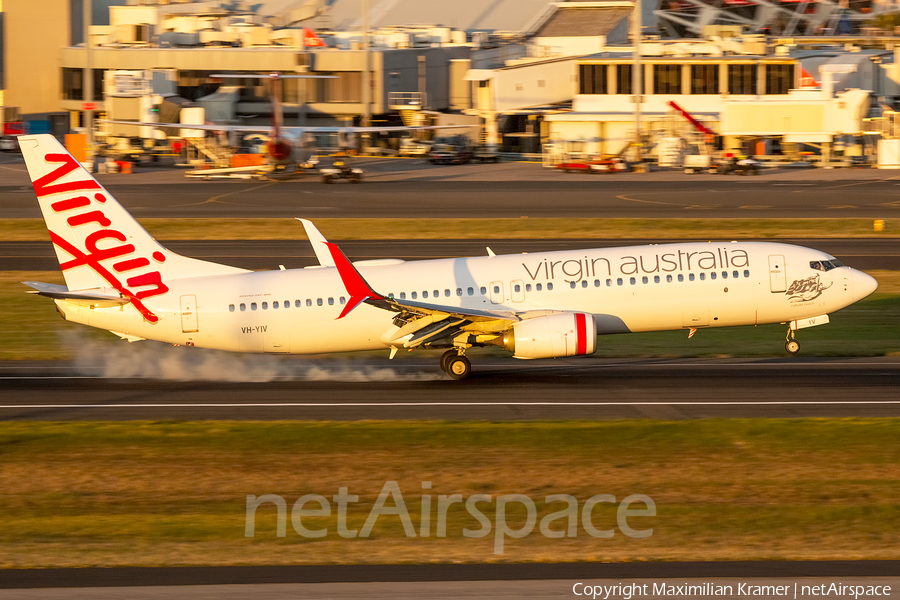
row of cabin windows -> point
(658, 279)
(704, 79)
(538, 287)
(471, 291)
(286, 304)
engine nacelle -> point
(551, 336)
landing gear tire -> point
(459, 367)
(792, 346)
(445, 358)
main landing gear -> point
(791, 345)
(455, 364)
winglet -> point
(315, 238)
(356, 286)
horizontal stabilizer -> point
(61, 292)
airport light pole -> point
(636, 75)
(366, 82)
(88, 77)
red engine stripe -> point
(580, 334)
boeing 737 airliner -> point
(544, 305)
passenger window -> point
(308, 302)
(691, 276)
(414, 295)
(343, 300)
(656, 279)
(702, 276)
(253, 306)
(496, 289)
(318, 302)
(296, 303)
(403, 295)
(483, 290)
(549, 287)
(596, 283)
(572, 284)
(711, 275)
(527, 287)
(632, 280)
(644, 279)
(446, 293)
(584, 283)
(425, 294)
(735, 274)
(470, 291)
(518, 288)
(275, 304)
(243, 307)
(538, 287)
(746, 273)
(231, 308)
(437, 294)
(265, 306)
(609, 283)
(724, 274)
(668, 279)
(331, 302)
(459, 291)
(619, 281)
(680, 277)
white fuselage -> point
(627, 289)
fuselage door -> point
(189, 314)
(497, 296)
(776, 273)
(517, 290)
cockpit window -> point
(825, 265)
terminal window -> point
(742, 79)
(623, 79)
(666, 79)
(592, 79)
(779, 79)
(704, 79)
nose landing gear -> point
(455, 364)
(791, 345)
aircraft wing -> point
(296, 130)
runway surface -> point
(396, 188)
(499, 389)
(861, 253)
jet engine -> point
(551, 336)
(279, 149)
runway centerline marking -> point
(422, 404)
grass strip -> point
(174, 493)
(522, 228)
(31, 329)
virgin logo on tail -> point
(104, 244)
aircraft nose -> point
(863, 285)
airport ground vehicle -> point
(696, 163)
(341, 169)
(414, 147)
(486, 153)
(732, 163)
(538, 305)
(453, 150)
(597, 164)
(8, 144)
